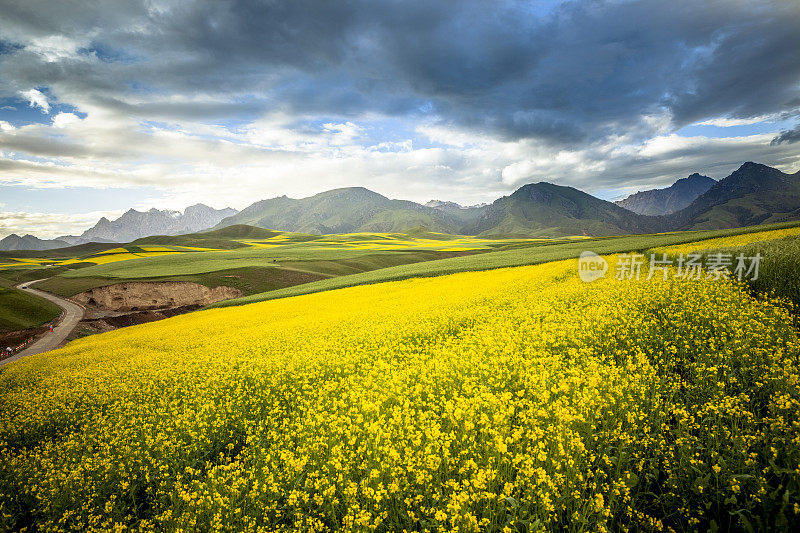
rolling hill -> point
(541, 209)
(753, 194)
(347, 210)
(548, 210)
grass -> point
(80, 250)
(779, 273)
(17, 275)
(21, 310)
(268, 264)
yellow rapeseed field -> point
(511, 400)
(393, 241)
(729, 242)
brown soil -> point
(149, 295)
(14, 338)
(91, 326)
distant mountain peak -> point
(29, 242)
(440, 205)
(358, 192)
(752, 165)
(135, 224)
(753, 176)
(752, 194)
(669, 200)
(693, 177)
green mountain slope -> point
(753, 194)
(347, 210)
(548, 210)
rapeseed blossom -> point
(517, 399)
(732, 241)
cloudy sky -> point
(106, 105)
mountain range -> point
(30, 242)
(753, 194)
(130, 226)
(667, 201)
(345, 210)
(134, 224)
(541, 209)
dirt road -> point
(72, 314)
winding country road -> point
(72, 314)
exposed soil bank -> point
(146, 295)
(15, 338)
(92, 326)
(9, 338)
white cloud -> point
(37, 99)
(64, 119)
(195, 162)
(725, 122)
(52, 48)
(343, 134)
(49, 225)
(657, 162)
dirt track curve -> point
(72, 314)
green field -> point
(265, 264)
(516, 256)
(253, 260)
(20, 310)
(250, 270)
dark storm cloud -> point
(582, 72)
(788, 137)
